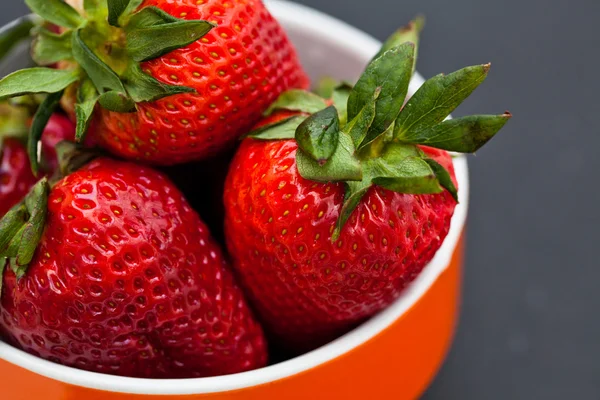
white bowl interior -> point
(328, 47)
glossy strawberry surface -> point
(237, 70)
(307, 289)
(127, 281)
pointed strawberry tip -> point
(507, 115)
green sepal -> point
(325, 87)
(338, 92)
(343, 165)
(21, 229)
(318, 135)
(436, 99)
(340, 97)
(359, 127)
(355, 191)
(15, 33)
(148, 39)
(57, 12)
(392, 73)
(410, 33)
(116, 8)
(117, 102)
(443, 177)
(87, 98)
(93, 7)
(280, 130)
(36, 80)
(145, 88)
(40, 120)
(412, 175)
(13, 122)
(462, 135)
(49, 48)
(104, 78)
(297, 100)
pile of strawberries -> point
(333, 203)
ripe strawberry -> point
(126, 280)
(328, 221)
(176, 80)
(16, 177)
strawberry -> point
(126, 280)
(16, 177)
(332, 210)
(168, 81)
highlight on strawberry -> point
(335, 204)
(110, 270)
(167, 81)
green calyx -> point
(105, 46)
(371, 134)
(21, 229)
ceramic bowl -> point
(395, 355)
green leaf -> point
(40, 120)
(22, 228)
(360, 125)
(411, 176)
(297, 100)
(14, 122)
(343, 165)
(116, 8)
(93, 7)
(355, 191)
(10, 224)
(144, 88)
(325, 87)
(392, 73)
(148, 17)
(49, 48)
(443, 177)
(436, 99)
(284, 129)
(148, 40)
(13, 34)
(318, 135)
(410, 33)
(340, 97)
(101, 74)
(56, 11)
(36, 80)
(463, 135)
(117, 102)
(37, 205)
(87, 98)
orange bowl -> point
(394, 355)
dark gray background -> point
(530, 324)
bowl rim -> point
(353, 40)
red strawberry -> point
(328, 229)
(176, 80)
(16, 177)
(126, 280)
